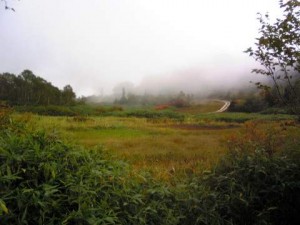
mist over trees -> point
(160, 101)
(29, 89)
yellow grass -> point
(202, 107)
(157, 147)
(163, 147)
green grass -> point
(147, 144)
(156, 140)
(48, 180)
(242, 117)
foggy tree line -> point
(29, 89)
(179, 100)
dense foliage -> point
(251, 189)
(45, 180)
(29, 89)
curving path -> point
(224, 107)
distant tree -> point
(68, 95)
(123, 98)
(182, 100)
(29, 89)
(7, 86)
(277, 50)
(132, 99)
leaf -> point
(3, 206)
(24, 215)
(272, 208)
(110, 220)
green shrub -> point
(115, 108)
(251, 104)
(4, 117)
(46, 181)
(248, 189)
(275, 111)
(50, 110)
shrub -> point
(51, 110)
(245, 189)
(46, 181)
(269, 138)
(81, 118)
(275, 111)
(251, 104)
(257, 182)
(115, 108)
(256, 189)
(4, 116)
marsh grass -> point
(163, 146)
(47, 180)
(155, 146)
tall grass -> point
(45, 180)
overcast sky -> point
(95, 44)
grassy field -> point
(162, 145)
(149, 167)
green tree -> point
(277, 50)
(29, 89)
(7, 87)
(68, 95)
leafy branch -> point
(277, 51)
(6, 6)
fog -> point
(192, 81)
(153, 46)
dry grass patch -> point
(202, 107)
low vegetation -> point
(46, 179)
